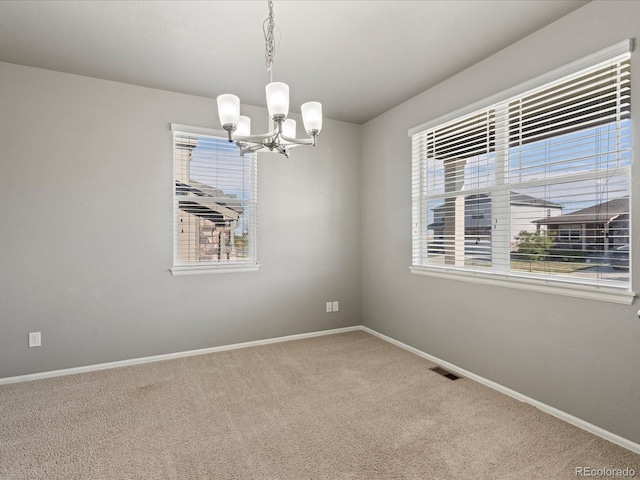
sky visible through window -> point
(553, 159)
(231, 173)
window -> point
(571, 233)
(214, 203)
(532, 186)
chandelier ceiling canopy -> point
(283, 135)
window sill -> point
(555, 287)
(209, 269)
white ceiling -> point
(359, 58)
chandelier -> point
(282, 137)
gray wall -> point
(580, 356)
(86, 229)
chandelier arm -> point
(282, 149)
(255, 147)
(289, 146)
(251, 148)
(298, 141)
(255, 138)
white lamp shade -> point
(277, 99)
(289, 128)
(229, 109)
(312, 116)
(244, 126)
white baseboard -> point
(600, 432)
(169, 356)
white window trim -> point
(569, 289)
(209, 269)
(572, 288)
(206, 269)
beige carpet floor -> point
(343, 406)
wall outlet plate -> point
(335, 306)
(35, 339)
(329, 307)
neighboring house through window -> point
(598, 229)
(214, 203)
(531, 187)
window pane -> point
(537, 185)
(577, 229)
(600, 149)
(214, 201)
(459, 231)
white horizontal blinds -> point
(569, 160)
(214, 201)
(419, 246)
(536, 184)
(454, 172)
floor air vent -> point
(444, 373)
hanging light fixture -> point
(282, 137)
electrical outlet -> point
(335, 306)
(329, 307)
(35, 340)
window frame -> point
(509, 278)
(249, 265)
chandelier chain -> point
(269, 37)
